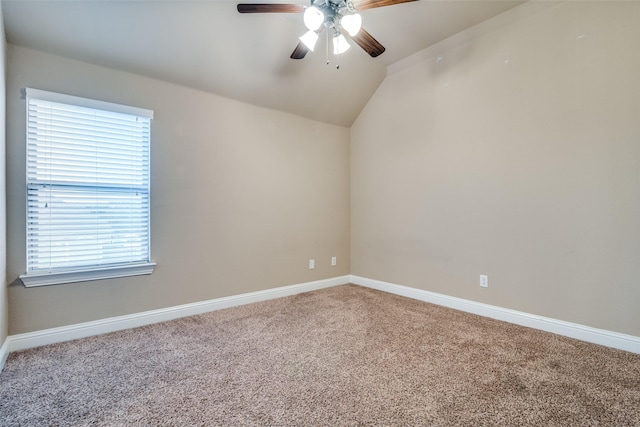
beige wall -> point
(515, 154)
(4, 309)
(242, 197)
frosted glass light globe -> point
(351, 23)
(313, 18)
(309, 39)
(340, 44)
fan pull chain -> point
(327, 52)
(327, 46)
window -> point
(87, 189)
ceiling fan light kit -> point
(336, 15)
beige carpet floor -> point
(340, 356)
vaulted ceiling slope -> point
(208, 45)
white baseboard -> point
(81, 330)
(112, 324)
(573, 330)
(4, 353)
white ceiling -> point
(209, 46)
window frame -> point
(81, 273)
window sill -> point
(57, 278)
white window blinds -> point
(87, 184)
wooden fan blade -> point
(370, 4)
(270, 8)
(300, 51)
(368, 43)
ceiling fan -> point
(336, 16)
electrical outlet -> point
(334, 261)
(484, 281)
(312, 264)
